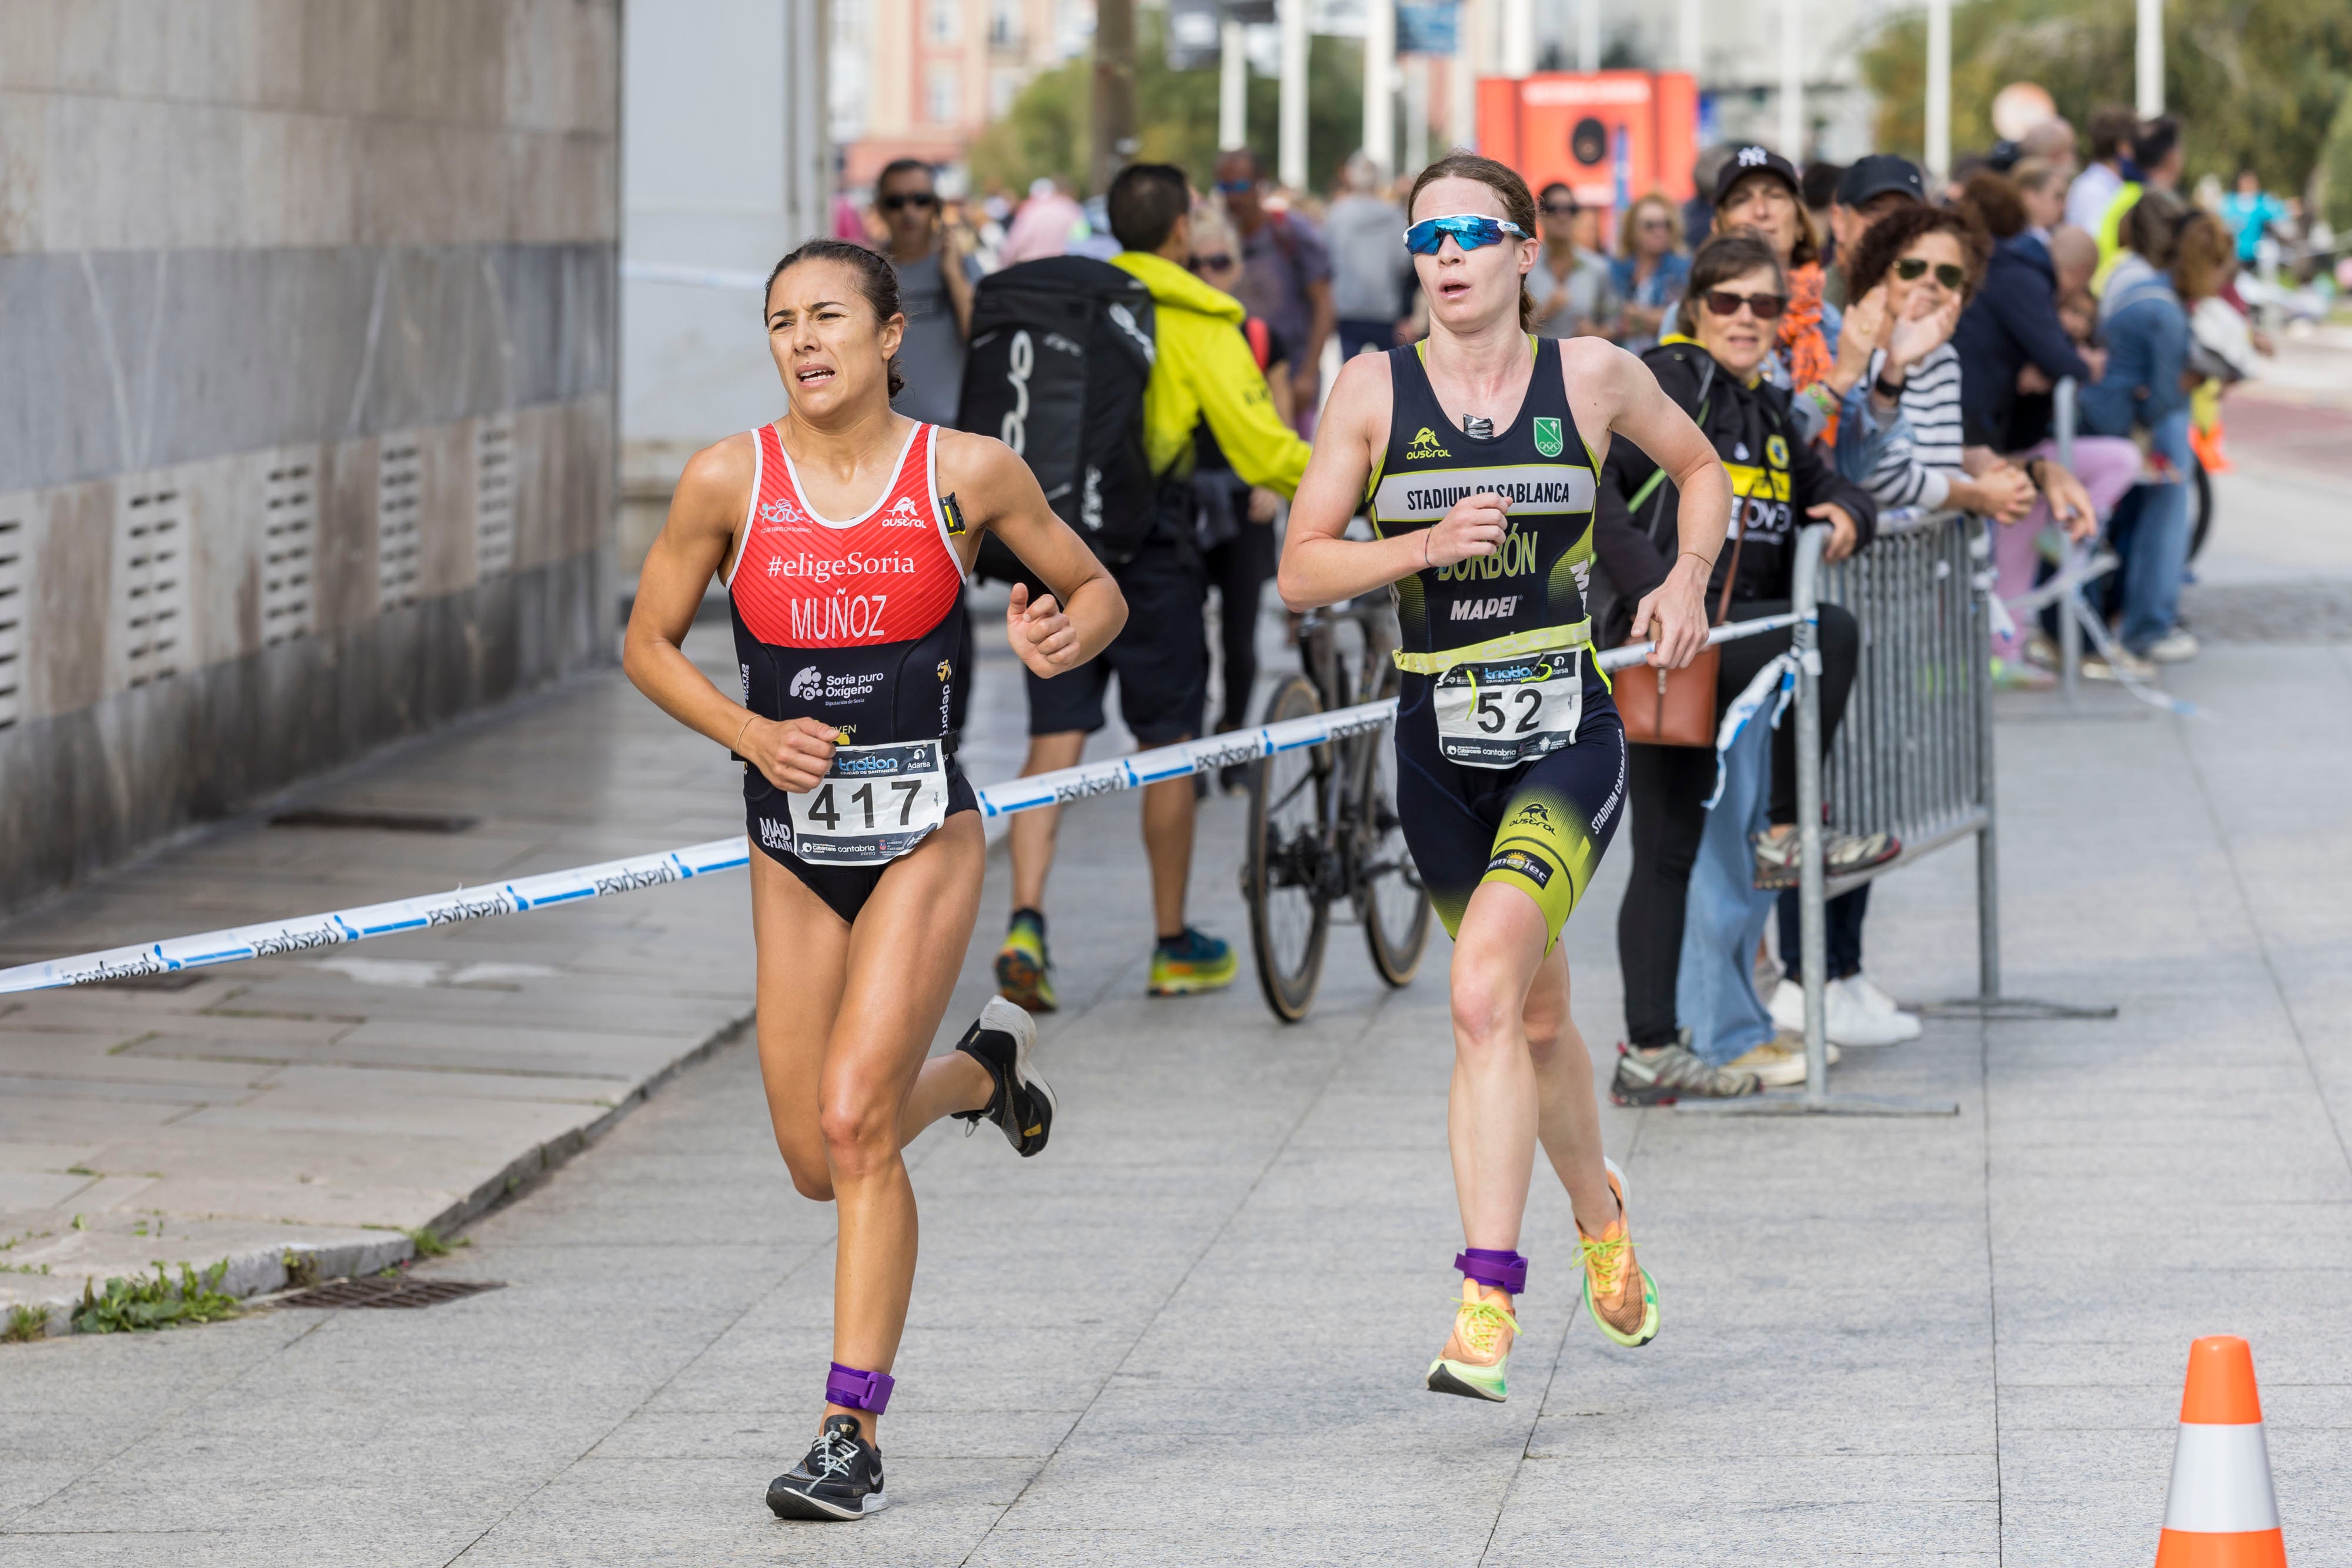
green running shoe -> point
(1025, 977)
(1618, 1292)
(1479, 1354)
(1193, 962)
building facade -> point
(919, 79)
(306, 408)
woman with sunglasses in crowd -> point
(1233, 519)
(1649, 271)
(1713, 367)
(1475, 453)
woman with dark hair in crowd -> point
(2176, 258)
(2013, 347)
(1712, 368)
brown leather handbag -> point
(1677, 708)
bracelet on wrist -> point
(1891, 390)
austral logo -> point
(945, 670)
(1534, 815)
(1548, 440)
(903, 514)
(1424, 445)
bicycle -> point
(1323, 824)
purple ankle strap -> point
(858, 1390)
(1497, 1270)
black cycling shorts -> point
(1160, 656)
(1541, 826)
(844, 888)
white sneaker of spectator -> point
(1857, 1013)
(2176, 646)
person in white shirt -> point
(2113, 126)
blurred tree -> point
(2257, 82)
(1046, 132)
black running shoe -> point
(841, 1478)
(1000, 1040)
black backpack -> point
(1061, 349)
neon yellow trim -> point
(1542, 640)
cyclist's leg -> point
(877, 1088)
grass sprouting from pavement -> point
(138, 1304)
(25, 1323)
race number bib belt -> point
(875, 804)
(1501, 713)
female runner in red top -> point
(868, 851)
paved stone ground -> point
(1192, 1331)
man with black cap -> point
(1874, 187)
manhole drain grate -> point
(402, 1291)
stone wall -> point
(307, 401)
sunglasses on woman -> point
(1767, 307)
(1469, 230)
(1911, 268)
(899, 200)
(1215, 263)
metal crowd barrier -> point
(1913, 757)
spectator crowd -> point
(1898, 344)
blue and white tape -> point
(602, 881)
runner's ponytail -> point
(876, 280)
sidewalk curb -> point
(262, 1271)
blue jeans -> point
(1355, 337)
(2156, 553)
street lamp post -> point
(1380, 83)
(1792, 80)
(1938, 149)
(1233, 88)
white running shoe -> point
(1851, 1020)
(2176, 646)
(1881, 1002)
(1788, 1007)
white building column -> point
(1588, 34)
(1939, 90)
(1416, 112)
(1518, 37)
(1792, 80)
(1290, 139)
(1380, 83)
(1233, 88)
(2149, 59)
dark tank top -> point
(1527, 597)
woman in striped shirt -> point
(1910, 276)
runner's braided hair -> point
(876, 280)
(1519, 205)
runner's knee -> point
(861, 1132)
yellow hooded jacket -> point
(1203, 369)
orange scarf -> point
(1802, 341)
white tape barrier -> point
(580, 883)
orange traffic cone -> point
(2220, 1512)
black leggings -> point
(1669, 786)
(1239, 569)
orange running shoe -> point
(1618, 1292)
(1478, 1352)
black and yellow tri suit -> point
(1510, 755)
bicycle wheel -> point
(1389, 895)
(2201, 507)
(1285, 860)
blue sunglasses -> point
(1470, 231)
